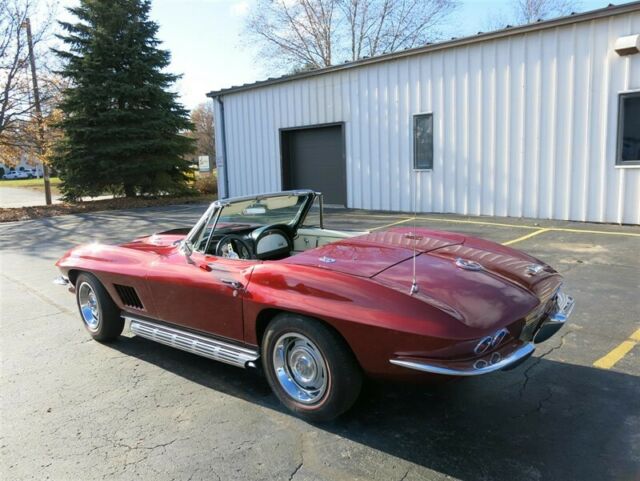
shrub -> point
(206, 184)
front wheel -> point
(310, 367)
(99, 313)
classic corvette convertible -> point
(254, 283)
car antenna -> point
(414, 283)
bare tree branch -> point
(530, 11)
(306, 34)
(16, 100)
(204, 132)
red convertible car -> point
(253, 282)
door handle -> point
(235, 284)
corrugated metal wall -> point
(523, 126)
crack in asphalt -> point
(147, 450)
(527, 377)
(295, 471)
(208, 472)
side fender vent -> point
(129, 296)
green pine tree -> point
(123, 126)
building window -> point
(629, 129)
(423, 141)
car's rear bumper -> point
(495, 362)
(552, 324)
(508, 357)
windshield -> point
(245, 214)
(260, 212)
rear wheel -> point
(98, 312)
(310, 368)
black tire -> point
(343, 374)
(108, 324)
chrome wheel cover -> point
(300, 368)
(89, 308)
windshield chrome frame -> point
(216, 207)
(213, 229)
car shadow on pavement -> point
(544, 420)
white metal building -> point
(541, 120)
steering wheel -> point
(232, 246)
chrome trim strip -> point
(516, 356)
(193, 343)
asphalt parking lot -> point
(73, 409)
(21, 196)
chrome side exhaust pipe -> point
(193, 343)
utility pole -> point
(36, 99)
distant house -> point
(541, 120)
(24, 163)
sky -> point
(205, 38)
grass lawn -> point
(36, 212)
(35, 184)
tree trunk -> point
(129, 190)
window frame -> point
(212, 214)
(414, 165)
(620, 127)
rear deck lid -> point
(370, 254)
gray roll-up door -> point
(313, 158)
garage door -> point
(313, 158)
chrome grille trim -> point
(193, 343)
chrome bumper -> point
(552, 324)
(61, 281)
(470, 368)
(496, 361)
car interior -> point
(237, 233)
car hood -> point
(370, 254)
(160, 243)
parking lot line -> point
(585, 231)
(525, 237)
(617, 353)
(392, 224)
(479, 222)
(438, 219)
(497, 224)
